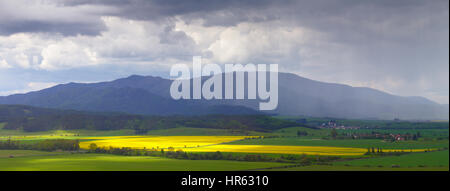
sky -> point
(400, 47)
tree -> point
(301, 133)
(92, 147)
(334, 133)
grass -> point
(209, 140)
(359, 143)
(180, 131)
(213, 144)
(292, 132)
(21, 153)
(428, 159)
(425, 133)
(386, 124)
(190, 131)
(66, 133)
(104, 162)
(357, 168)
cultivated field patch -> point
(104, 162)
(159, 142)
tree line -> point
(142, 124)
(45, 145)
(180, 154)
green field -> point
(292, 132)
(357, 168)
(180, 131)
(430, 159)
(21, 153)
(81, 132)
(380, 124)
(425, 133)
(358, 143)
(190, 131)
(104, 162)
(54, 161)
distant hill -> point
(31, 119)
(297, 96)
(117, 96)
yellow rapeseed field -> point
(158, 142)
(308, 150)
(213, 144)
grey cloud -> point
(169, 36)
(47, 17)
(215, 12)
(337, 16)
(360, 40)
(60, 27)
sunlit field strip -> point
(212, 144)
(36, 137)
(308, 150)
(273, 149)
(157, 142)
(408, 150)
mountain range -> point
(298, 96)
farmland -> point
(156, 142)
(191, 148)
(300, 150)
(22, 153)
(363, 143)
(432, 159)
(103, 162)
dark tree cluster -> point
(142, 124)
(180, 154)
(45, 145)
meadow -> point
(105, 162)
(299, 150)
(238, 144)
(431, 159)
(22, 153)
(292, 132)
(285, 146)
(356, 168)
(425, 133)
(244, 144)
(359, 143)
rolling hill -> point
(297, 96)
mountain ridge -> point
(297, 96)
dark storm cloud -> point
(60, 27)
(22, 16)
(330, 15)
(220, 12)
(379, 41)
(215, 12)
